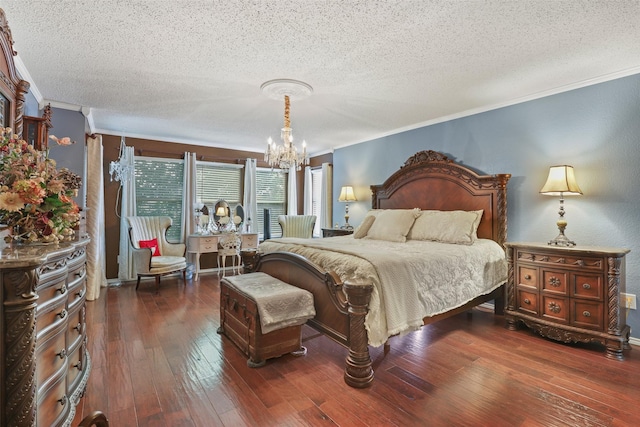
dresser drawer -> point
(52, 359)
(527, 302)
(51, 316)
(75, 366)
(556, 309)
(587, 286)
(208, 244)
(528, 276)
(48, 294)
(53, 404)
(75, 327)
(76, 276)
(587, 314)
(555, 282)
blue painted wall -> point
(596, 129)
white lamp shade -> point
(221, 211)
(561, 181)
(347, 194)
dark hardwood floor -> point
(158, 361)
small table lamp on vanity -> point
(560, 182)
(347, 195)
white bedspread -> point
(412, 280)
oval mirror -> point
(238, 216)
(221, 213)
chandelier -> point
(286, 155)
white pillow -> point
(393, 225)
(459, 227)
(358, 232)
(364, 227)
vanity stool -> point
(263, 316)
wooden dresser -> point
(45, 364)
(568, 294)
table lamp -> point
(347, 195)
(561, 182)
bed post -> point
(358, 372)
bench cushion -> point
(279, 304)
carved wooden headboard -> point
(430, 180)
(12, 88)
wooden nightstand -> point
(332, 232)
(568, 294)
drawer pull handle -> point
(78, 327)
(80, 293)
(554, 307)
(586, 313)
(526, 301)
(78, 365)
(527, 277)
(62, 289)
(62, 354)
(63, 313)
(63, 401)
(586, 286)
(555, 282)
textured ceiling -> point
(190, 71)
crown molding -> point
(24, 73)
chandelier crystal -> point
(286, 155)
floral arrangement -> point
(36, 201)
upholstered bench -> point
(263, 316)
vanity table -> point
(199, 244)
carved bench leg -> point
(358, 372)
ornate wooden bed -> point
(427, 180)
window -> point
(271, 194)
(159, 191)
(216, 181)
(316, 199)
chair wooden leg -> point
(184, 276)
(158, 283)
(138, 282)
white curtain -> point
(96, 261)
(292, 192)
(189, 196)
(249, 201)
(128, 188)
(308, 192)
(326, 215)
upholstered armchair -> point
(153, 255)
(297, 225)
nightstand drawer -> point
(249, 241)
(588, 314)
(527, 302)
(556, 309)
(555, 282)
(587, 286)
(528, 276)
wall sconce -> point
(560, 182)
(347, 195)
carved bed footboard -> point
(339, 315)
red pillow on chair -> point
(153, 244)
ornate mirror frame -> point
(12, 88)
